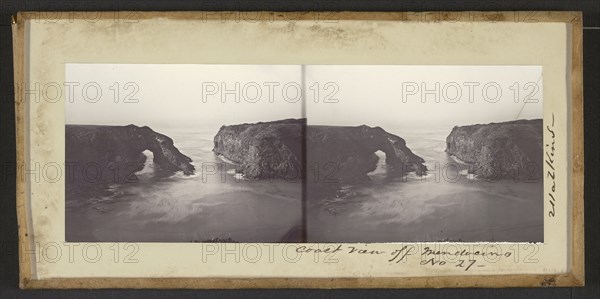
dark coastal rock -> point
(265, 149)
(347, 154)
(335, 154)
(500, 150)
(112, 154)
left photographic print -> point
(159, 153)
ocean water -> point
(448, 204)
(214, 203)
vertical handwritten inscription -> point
(551, 174)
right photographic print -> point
(424, 153)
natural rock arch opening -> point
(381, 165)
(148, 168)
(118, 152)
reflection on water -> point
(448, 204)
(188, 208)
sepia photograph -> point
(379, 150)
(164, 158)
(426, 154)
(304, 153)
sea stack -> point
(512, 149)
(263, 150)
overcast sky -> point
(394, 95)
(184, 95)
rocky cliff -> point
(347, 154)
(496, 150)
(334, 154)
(112, 154)
(265, 149)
